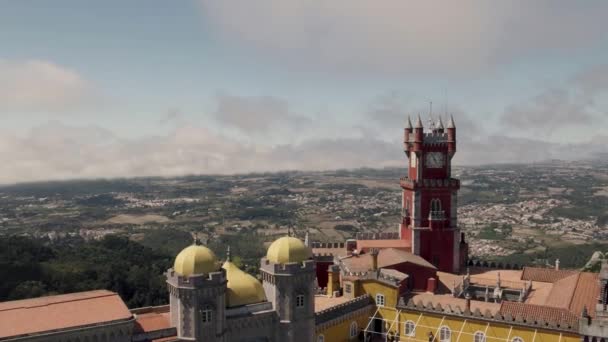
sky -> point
(162, 88)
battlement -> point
(327, 245)
(343, 309)
(287, 269)
(378, 236)
(448, 183)
(522, 314)
(195, 281)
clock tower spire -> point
(429, 217)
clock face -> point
(435, 160)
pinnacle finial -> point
(306, 241)
(228, 254)
(196, 241)
(451, 123)
(440, 123)
(419, 122)
(409, 123)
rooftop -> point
(61, 312)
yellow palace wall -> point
(341, 331)
(464, 331)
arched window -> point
(320, 338)
(480, 337)
(517, 339)
(435, 204)
(445, 334)
(354, 330)
(410, 328)
(379, 299)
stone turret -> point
(288, 274)
(197, 295)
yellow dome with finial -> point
(242, 288)
(195, 259)
(288, 249)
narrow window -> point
(445, 334)
(480, 337)
(380, 299)
(410, 328)
(348, 288)
(321, 338)
(206, 316)
(353, 330)
(300, 301)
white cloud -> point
(58, 151)
(38, 85)
(405, 36)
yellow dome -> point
(288, 249)
(242, 288)
(195, 259)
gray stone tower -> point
(288, 276)
(197, 296)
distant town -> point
(516, 213)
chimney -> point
(467, 305)
(374, 253)
(557, 264)
(431, 285)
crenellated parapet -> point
(343, 312)
(447, 183)
(526, 315)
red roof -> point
(537, 313)
(39, 315)
(545, 275)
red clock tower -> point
(429, 219)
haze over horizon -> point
(158, 88)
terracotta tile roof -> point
(386, 257)
(363, 245)
(453, 302)
(530, 312)
(324, 302)
(562, 292)
(61, 312)
(546, 275)
(586, 294)
(152, 321)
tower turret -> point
(451, 136)
(418, 134)
(406, 135)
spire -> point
(451, 123)
(440, 123)
(419, 122)
(409, 123)
(228, 254)
(306, 241)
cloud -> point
(59, 151)
(38, 85)
(257, 114)
(404, 37)
(568, 105)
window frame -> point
(383, 299)
(413, 331)
(206, 316)
(353, 329)
(348, 287)
(480, 334)
(300, 301)
(321, 338)
(449, 332)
